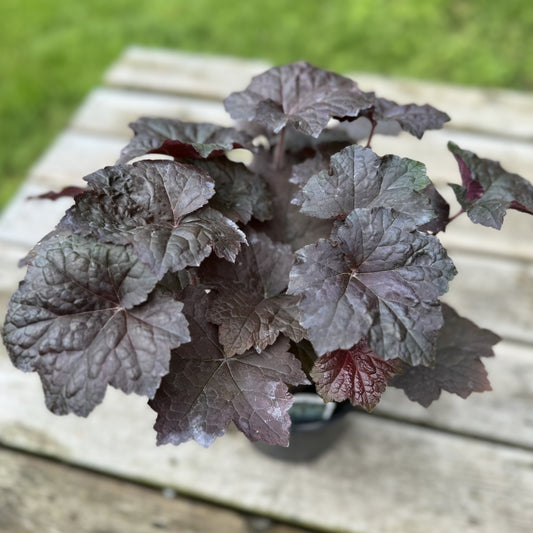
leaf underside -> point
(488, 190)
(181, 140)
(412, 118)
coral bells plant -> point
(218, 288)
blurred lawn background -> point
(53, 52)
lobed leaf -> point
(205, 389)
(376, 278)
(181, 140)
(488, 190)
(413, 118)
(249, 303)
(458, 368)
(299, 95)
(155, 207)
(240, 194)
(357, 177)
(357, 374)
(86, 316)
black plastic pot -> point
(315, 427)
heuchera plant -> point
(216, 288)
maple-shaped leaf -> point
(488, 190)
(250, 304)
(181, 140)
(156, 207)
(376, 278)
(300, 95)
(86, 316)
(413, 118)
(357, 177)
(205, 389)
(239, 193)
(357, 374)
(458, 368)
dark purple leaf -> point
(415, 119)
(240, 193)
(377, 278)
(357, 177)
(155, 207)
(458, 368)
(205, 389)
(289, 225)
(250, 304)
(357, 374)
(488, 190)
(302, 173)
(85, 317)
(181, 140)
(299, 95)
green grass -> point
(53, 52)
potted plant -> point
(218, 271)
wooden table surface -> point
(459, 466)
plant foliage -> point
(216, 289)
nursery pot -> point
(315, 427)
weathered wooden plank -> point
(471, 108)
(495, 293)
(512, 240)
(39, 495)
(381, 476)
(73, 155)
(110, 110)
(515, 156)
(25, 220)
(176, 72)
(10, 274)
